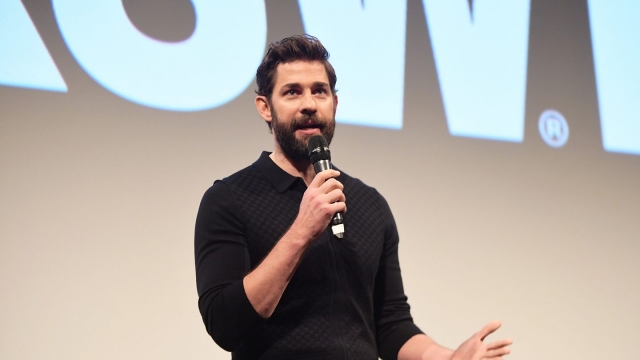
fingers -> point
(323, 176)
(335, 195)
(497, 353)
(489, 328)
(499, 344)
(497, 349)
(322, 199)
(332, 190)
(338, 207)
(330, 185)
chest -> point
(356, 256)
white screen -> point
(510, 157)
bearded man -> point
(273, 281)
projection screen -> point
(504, 135)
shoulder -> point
(357, 187)
(368, 199)
(248, 180)
(224, 190)
(223, 203)
(223, 187)
(242, 177)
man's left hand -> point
(475, 348)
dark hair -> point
(299, 47)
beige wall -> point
(98, 198)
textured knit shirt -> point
(344, 301)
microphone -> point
(321, 159)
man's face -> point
(301, 106)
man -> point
(273, 281)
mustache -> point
(306, 120)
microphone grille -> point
(318, 149)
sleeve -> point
(222, 261)
(393, 317)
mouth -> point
(309, 127)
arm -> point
(266, 283)
(394, 323)
(397, 336)
(231, 302)
(421, 347)
(475, 348)
(222, 260)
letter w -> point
(481, 60)
(367, 44)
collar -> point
(280, 179)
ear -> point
(263, 108)
(335, 104)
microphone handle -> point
(321, 165)
(337, 225)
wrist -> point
(299, 235)
(437, 352)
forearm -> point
(422, 347)
(231, 310)
(265, 285)
(232, 303)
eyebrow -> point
(320, 83)
(297, 85)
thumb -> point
(489, 328)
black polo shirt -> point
(345, 300)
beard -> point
(296, 148)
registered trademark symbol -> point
(553, 128)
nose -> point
(308, 105)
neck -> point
(297, 168)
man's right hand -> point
(266, 283)
(323, 198)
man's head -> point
(296, 93)
(290, 49)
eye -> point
(291, 92)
